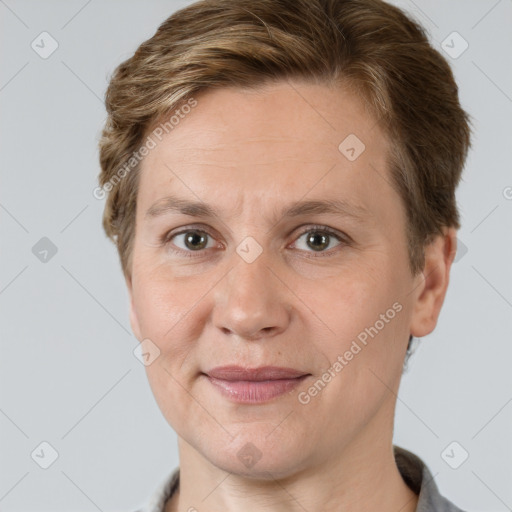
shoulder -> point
(419, 479)
(164, 490)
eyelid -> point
(325, 229)
(184, 229)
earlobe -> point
(433, 284)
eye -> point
(189, 240)
(313, 239)
(318, 239)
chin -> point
(256, 455)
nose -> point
(252, 301)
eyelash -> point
(165, 240)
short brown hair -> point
(368, 45)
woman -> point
(281, 184)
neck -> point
(363, 477)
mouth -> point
(254, 385)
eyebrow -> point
(178, 205)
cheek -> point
(162, 303)
(361, 354)
(365, 317)
(166, 313)
(170, 311)
(352, 300)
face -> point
(294, 256)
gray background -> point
(68, 373)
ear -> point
(134, 320)
(433, 282)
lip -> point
(254, 385)
(237, 373)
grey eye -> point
(192, 240)
(316, 240)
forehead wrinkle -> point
(234, 140)
(235, 163)
(181, 142)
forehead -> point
(283, 140)
(320, 116)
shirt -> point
(413, 470)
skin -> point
(249, 154)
